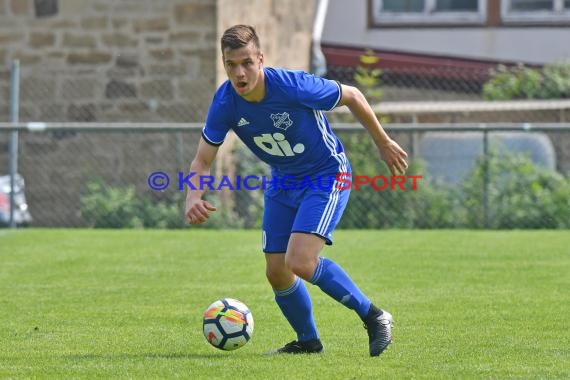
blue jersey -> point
(287, 129)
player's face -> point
(244, 67)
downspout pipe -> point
(318, 64)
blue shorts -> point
(315, 211)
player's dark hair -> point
(239, 36)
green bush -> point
(367, 76)
(156, 213)
(520, 194)
(223, 217)
(108, 207)
(104, 206)
(428, 206)
(549, 82)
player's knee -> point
(278, 277)
(301, 267)
(271, 274)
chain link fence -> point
(417, 85)
(461, 176)
(474, 82)
(111, 95)
(88, 163)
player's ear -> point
(261, 58)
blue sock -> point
(295, 304)
(334, 281)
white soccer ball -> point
(228, 324)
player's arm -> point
(391, 152)
(197, 209)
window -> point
(45, 8)
(535, 11)
(428, 12)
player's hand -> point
(394, 156)
(198, 211)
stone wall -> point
(124, 61)
(284, 27)
(107, 60)
(135, 60)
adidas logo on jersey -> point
(242, 122)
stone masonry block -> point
(188, 89)
(63, 24)
(162, 54)
(119, 89)
(152, 25)
(185, 37)
(40, 40)
(195, 14)
(51, 112)
(95, 23)
(121, 40)
(73, 40)
(168, 70)
(35, 89)
(154, 40)
(7, 38)
(93, 58)
(122, 73)
(127, 61)
(77, 88)
(119, 23)
(158, 89)
(21, 7)
(85, 112)
(26, 58)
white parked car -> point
(22, 214)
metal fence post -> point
(414, 143)
(180, 152)
(13, 155)
(485, 177)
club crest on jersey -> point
(281, 120)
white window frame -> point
(557, 14)
(429, 16)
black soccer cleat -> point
(313, 346)
(379, 325)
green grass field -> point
(128, 304)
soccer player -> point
(278, 114)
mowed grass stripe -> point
(128, 303)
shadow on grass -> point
(151, 355)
